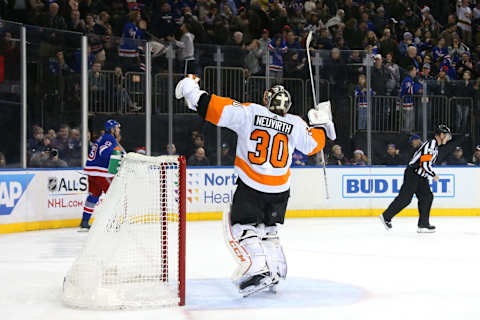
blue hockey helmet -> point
(111, 124)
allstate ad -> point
(40, 195)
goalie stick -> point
(309, 40)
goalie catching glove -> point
(189, 89)
(321, 117)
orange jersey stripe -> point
(261, 178)
(319, 136)
(215, 108)
(425, 158)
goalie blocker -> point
(266, 138)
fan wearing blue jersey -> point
(102, 164)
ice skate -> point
(387, 224)
(84, 227)
(256, 284)
(274, 286)
(426, 229)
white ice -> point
(338, 269)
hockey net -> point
(134, 256)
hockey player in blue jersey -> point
(102, 163)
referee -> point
(415, 181)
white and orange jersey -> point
(265, 141)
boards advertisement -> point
(37, 199)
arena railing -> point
(103, 92)
(160, 101)
(232, 81)
(385, 114)
(296, 87)
(463, 112)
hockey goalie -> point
(266, 138)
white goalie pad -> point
(238, 252)
(274, 251)
(245, 245)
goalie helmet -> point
(278, 100)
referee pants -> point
(412, 184)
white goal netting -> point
(133, 256)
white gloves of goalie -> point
(189, 89)
(321, 117)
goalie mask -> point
(278, 100)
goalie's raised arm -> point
(220, 111)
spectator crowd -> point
(59, 148)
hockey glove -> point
(189, 89)
(321, 117)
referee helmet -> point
(442, 128)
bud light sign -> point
(388, 186)
(12, 187)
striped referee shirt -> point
(424, 157)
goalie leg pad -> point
(244, 243)
(274, 251)
(249, 240)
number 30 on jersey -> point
(277, 155)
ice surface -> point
(338, 269)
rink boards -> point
(42, 199)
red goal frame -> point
(182, 206)
(165, 217)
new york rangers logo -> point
(106, 145)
